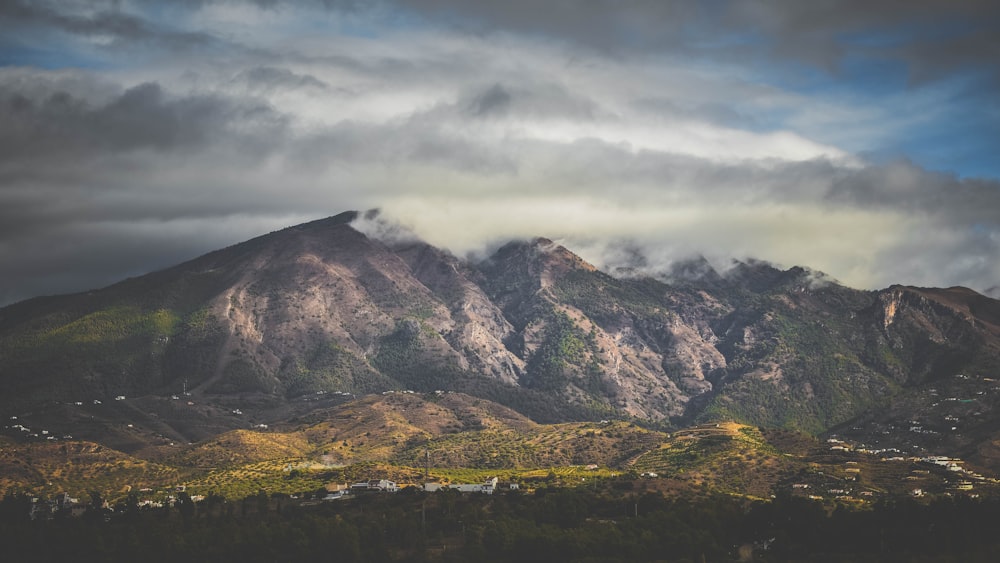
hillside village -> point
(830, 472)
(63, 504)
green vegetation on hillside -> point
(563, 345)
(799, 373)
(125, 345)
(329, 367)
(606, 299)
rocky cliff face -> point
(321, 307)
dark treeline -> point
(554, 525)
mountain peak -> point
(345, 218)
(539, 257)
(354, 304)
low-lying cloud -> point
(467, 130)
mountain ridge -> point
(267, 325)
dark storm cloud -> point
(66, 159)
(904, 187)
(104, 20)
(495, 100)
(56, 123)
(933, 37)
(472, 122)
(270, 79)
(529, 99)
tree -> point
(185, 505)
(15, 507)
(95, 509)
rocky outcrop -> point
(322, 307)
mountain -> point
(309, 317)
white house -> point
(375, 485)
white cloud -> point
(468, 139)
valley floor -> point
(553, 525)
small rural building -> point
(375, 485)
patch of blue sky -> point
(872, 76)
(50, 54)
(961, 131)
(792, 85)
(958, 146)
(369, 22)
(932, 124)
(854, 74)
(963, 147)
(984, 230)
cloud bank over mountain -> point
(852, 138)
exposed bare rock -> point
(296, 320)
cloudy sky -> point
(860, 138)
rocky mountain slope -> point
(300, 319)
